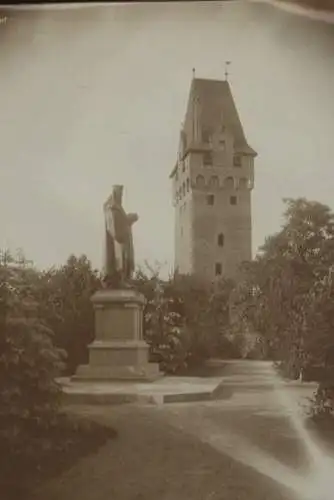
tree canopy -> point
(290, 283)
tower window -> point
(200, 181)
(210, 199)
(233, 200)
(206, 136)
(184, 188)
(218, 269)
(184, 141)
(237, 160)
(188, 184)
(207, 158)
(222, 144)
(220, 240)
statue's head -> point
(117, 193)
(115, 197)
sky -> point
(94, 96)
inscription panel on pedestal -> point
(117, 323)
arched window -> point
(220, 240)
(188, 184)
(229, 182)
(200, 181)
(214, 181)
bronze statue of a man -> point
(119, 259)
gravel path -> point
(176, 452)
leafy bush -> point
(185, 321)
(29, 363)
(323, 403)
(163, 323)
(64, 298)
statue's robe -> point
(119, 252)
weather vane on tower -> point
(227, 63)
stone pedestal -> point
(118, 351)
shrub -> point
(64, 298)
(163, 323)
(29, 363)
(323, 402)
(185, 321)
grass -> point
(43, 454)
(160, 453)
(152, 459)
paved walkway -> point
(195, 451)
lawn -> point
(153, 460)
(41, 455)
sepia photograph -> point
(167, 250)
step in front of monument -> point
(148, 372)
(162, 391)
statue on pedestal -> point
(119, 351)
(119, 259)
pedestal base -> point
(148, 373)
(119, 351)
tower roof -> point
(215, 107)
(211, 106)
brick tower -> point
(212, 183)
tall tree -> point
(287, 267)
